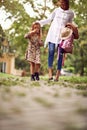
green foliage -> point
(55, 2)
(2, 34)
(80, 52)
(2, 37)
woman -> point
(59, 18)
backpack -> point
(67, 44)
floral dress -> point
(33, 50)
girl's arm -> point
(26, 35)
(31, 33)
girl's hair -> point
(39, 26)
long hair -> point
(39, 26)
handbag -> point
(67, 45)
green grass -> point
(74, 79)
(82, 87)
(82, 110)
(20, 94)
(56, 94)
(66, 81)
(73, 127)
(83, 93)
(43, 102)
(35, 84)
(10, 80)
(4, 75)
(16, 110)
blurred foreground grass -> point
(55, 105)
(8, 80)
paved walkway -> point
(42, 106)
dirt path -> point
(42, 106)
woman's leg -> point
(51, 52)
(57, 75)
(60, 58)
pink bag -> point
(67, 44)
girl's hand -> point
(26, 36)
(34, 32)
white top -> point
(59, 18)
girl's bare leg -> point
(37, 70)
(32, 67)
(32, 70)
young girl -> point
(68, 34)
(33, 50)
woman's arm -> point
(48, 20)
(71, 19)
